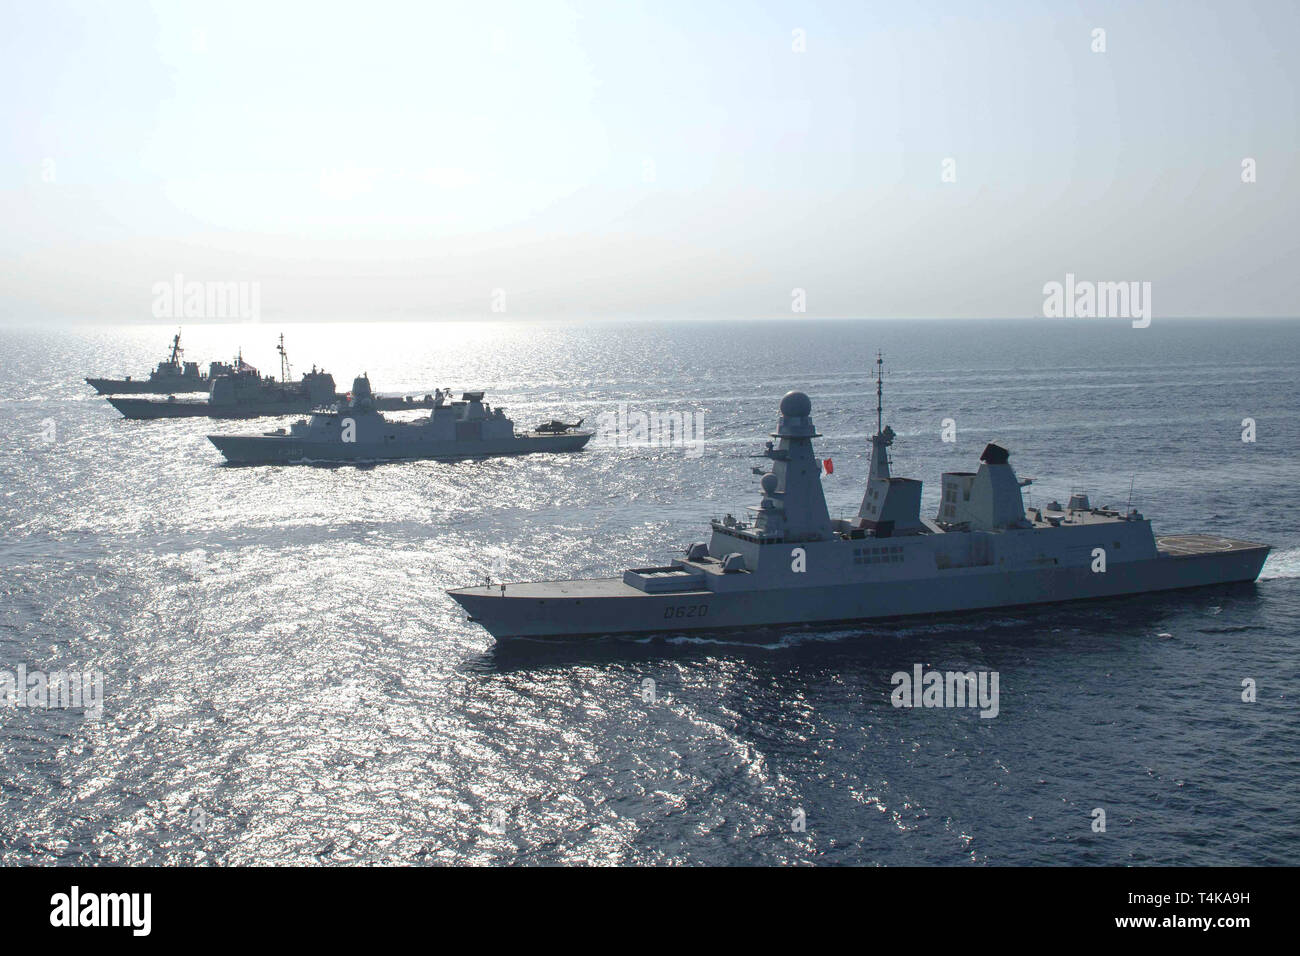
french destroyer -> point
(791, 564)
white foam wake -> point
(1281, 564)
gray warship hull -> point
(612, 606)
(130, 386)
(149, 408)
(288, 450)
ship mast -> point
(884, 436)
(177, 351)
(880, 368)
(890, 505)
(284, 360)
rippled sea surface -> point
(285, 680)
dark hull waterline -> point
(146, 409)
(284, 450)
(128, 386)
(589, 609)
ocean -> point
(284, 679)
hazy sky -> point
(659, 159)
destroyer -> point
(172, 376)
(246, 393)
(791, 564)
(356, 431)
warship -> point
(244, 392)
(172, 376)
(355, 431)
(790, 563)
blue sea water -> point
(285, 680)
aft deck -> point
(1189, 545)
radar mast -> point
(285, 371)
(880, 408)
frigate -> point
(244, 392)
(790, 563)
(172, 376)
(355, 431)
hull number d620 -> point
(686, 610)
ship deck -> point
(1188, 545)
(588, 588)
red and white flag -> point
(829, 466)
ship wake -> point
(1281, 564)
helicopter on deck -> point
(557, 427)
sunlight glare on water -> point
(278, 650)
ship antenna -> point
(880, 368)
(176, 347)
(284, 360)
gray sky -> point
(377, 160)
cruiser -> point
(172, 376)
(356, 431)
(246, 393)
(792, 564)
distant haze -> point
(538, 159)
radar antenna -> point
(177, 351)
(880, 370)
(285, 371)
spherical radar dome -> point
(768, 483)
(796, 405)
